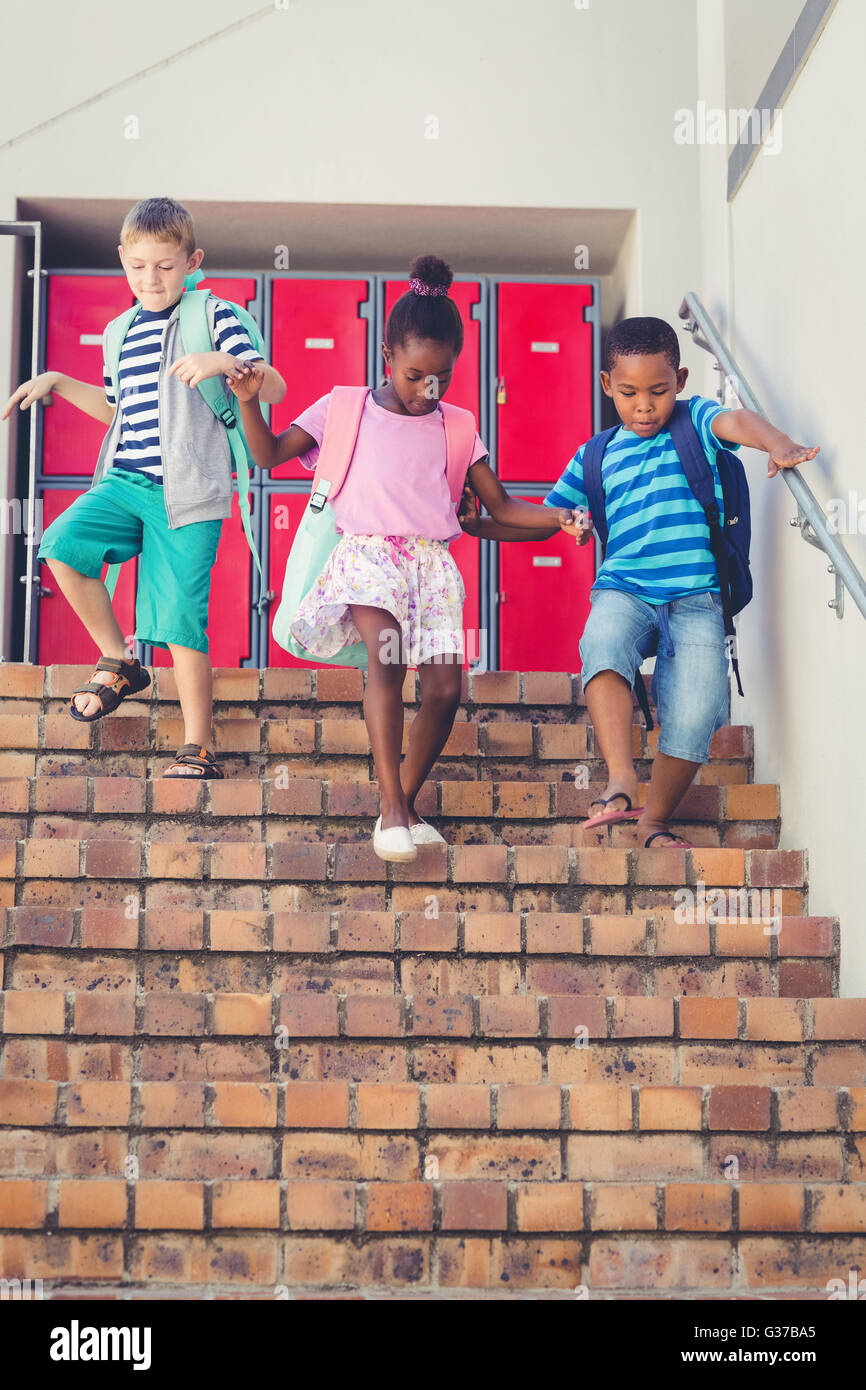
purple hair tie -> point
(419, 287)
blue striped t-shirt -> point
(138, 448)
(658, 545)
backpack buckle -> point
(228, 418)
(317, 501)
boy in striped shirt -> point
(162, 484)
(658, 588)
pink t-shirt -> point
(396, 484)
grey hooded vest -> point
(196, 458)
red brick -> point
(513, 1016)
(695, 1206)
(442, 1015)
(550, 1206)
(247, 1205)
(594, 1107)
(89, 1202)
(643, 1018)
(23, 1204)
(309, 1016)
(839, 1208)
(554, 933)
(604, 866)
(844, 1019)
(98, 1103)
(480, 864)
(298, 859)
(171, 1206)
(33, 1011)
(474, 1206)
(244, 1105)
(320, 1206)
(773, 1020)
(777, 868)
(104, 1013)
(320, 1104)
(374, 1016)
(670, 1107)
(566, 1013)
(27, 1102)
(495, 687)
(709, 1018)
(770, 1206)
(456, 1106)
(50, 859)
(740, 1107)
(541, 863)
(683, 1264)
(624, 1207)
(399, 1206)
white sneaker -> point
(424, 834)
(394, 844)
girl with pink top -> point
(395, 517)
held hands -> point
(247, 385)
(787, 454)
(198, 366)
(36, 389)
(576, 523)
(467, 513)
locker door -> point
(318, 341)
(79, 307)
(467, 553)
(63, 638)
(284, 513)
(285, 510)
(240, 289)
(229, 610)
(543, 602)
(544, 370)
(465, 388)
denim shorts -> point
(124, 515)
(690, 683)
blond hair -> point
(162, 219)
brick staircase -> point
(241, 1057)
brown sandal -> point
(130, 674)
(193, 755)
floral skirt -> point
(414, 579)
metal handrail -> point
(810, 518)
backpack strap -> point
(699, 476)
(459, 446)
(593, 453)
(345, 409)
(112, 343)
(195, 318)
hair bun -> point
(432, 271)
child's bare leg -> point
(671, 779)
(428, 734)
(383, 708)
(609, 702)
(194, 676)
(88, 597)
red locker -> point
(544, 378)
(79, 307)
(239, 289)
(318, 341)
(465, 388)
(286, 510)
(229, 611)
(62, 636)
(543, 602)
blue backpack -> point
(729, 543)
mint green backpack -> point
(195, 336)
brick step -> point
(31, 1008)
(455, 1266)
(251, 747)
(774, 1112)
(465, 1205)
(740, 816)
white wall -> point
(794, 294)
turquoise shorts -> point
(124, 515)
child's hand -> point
(198, 366)
(248, 384)
(576, 523)
(787, 454)
(30, 391)
(467, 513)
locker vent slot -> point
(544, 347)
(318, 342)
(548, 561)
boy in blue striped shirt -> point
(658, 588)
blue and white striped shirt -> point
(658, 545)
(138, 448)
